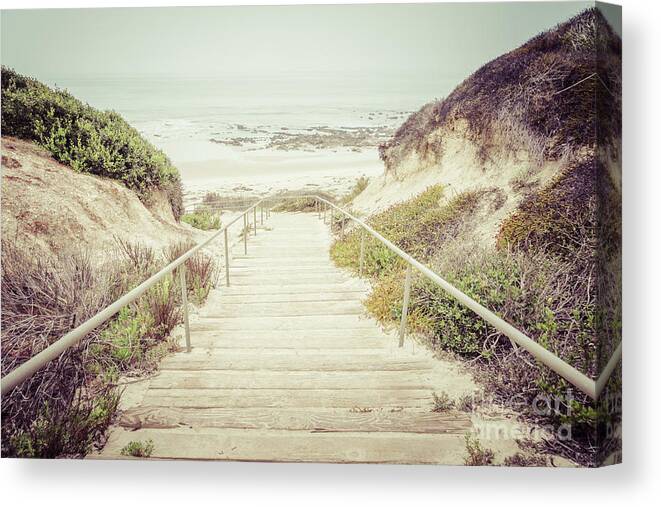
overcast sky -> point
(442, 39)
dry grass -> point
(201, 271)
(66, 406)
(477, 456)
(42, 299)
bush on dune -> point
(418, 226)
(553, 91)
(88, 140)
(202, 219)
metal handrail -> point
(35, 363)
(587, 385)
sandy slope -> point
(47, 207)
(460, 169)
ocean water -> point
(221, 132)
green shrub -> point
(88, 140)
(532, 292)
(202, 219)
(418, 226)
(54, 433)
(138, 449)
(126, 335)
(478, 456)
(299, 204)
(163, 303)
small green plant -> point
(138, 449)
(477, 455)
(202, 219)
(124, 340)
(442, 402)
(162, 303)
(293, 202)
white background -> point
(635, 482)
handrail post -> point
(254, 212)
(245, 233)
(261, 215)
(184, 302)
(227, 260)
(343, 222)
(405, 305)
(362, 253)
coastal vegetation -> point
(542, 289)
(138, 449)
(64, 408)
(88, 140)
(202, 219)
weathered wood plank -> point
(289, 280)
(331, 335)
(206, 341)
(318, 420)
(298, 398)
(291, 380)
(282, 309)
(298, 322)
(192, 362)
(307, 288)
(294, 446)
(222, 298)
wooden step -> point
(176, 379)
(298, 398)
(307, 288)
(220, 297)
(224, 361)
(298, 322)
(317, 420)
(293, 446)
(280, 309)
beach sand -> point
(251, 174)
